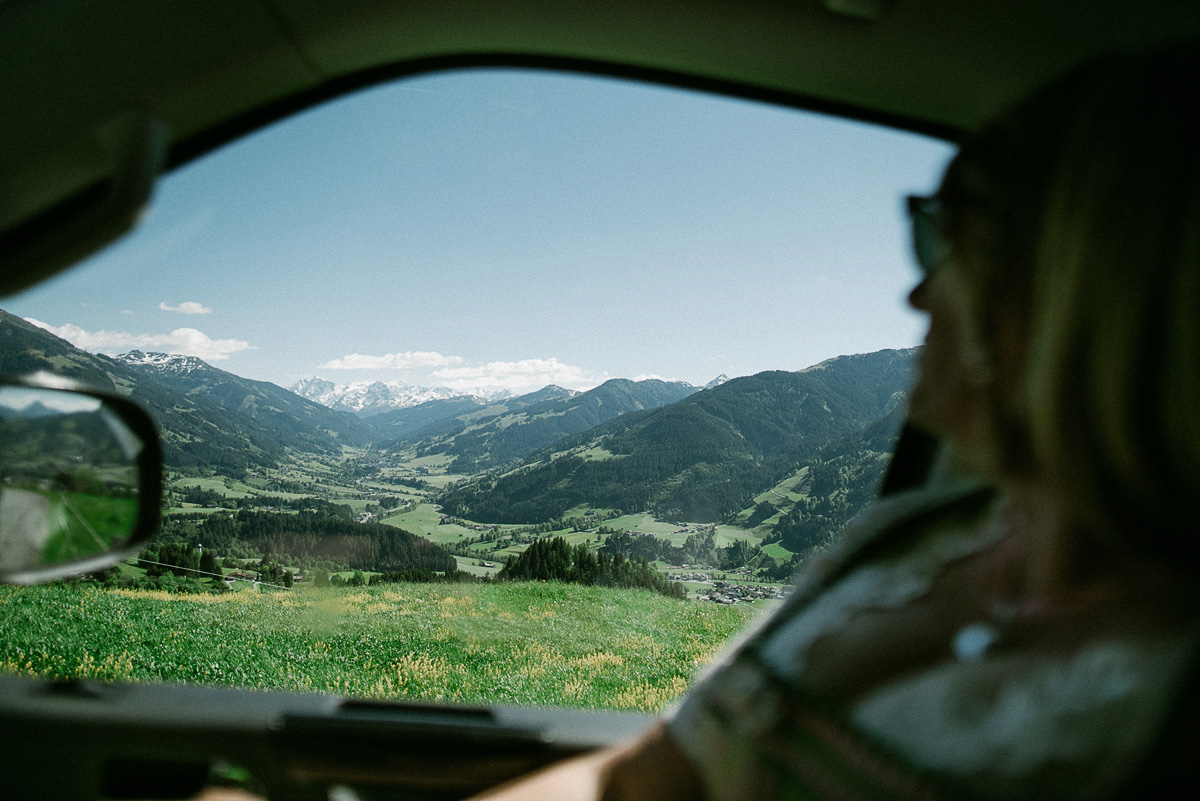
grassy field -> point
(530, 644)
(648, 524)
(422, 520)
(81, 524)
(777, 551)
(468, 566)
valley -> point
(712, 488)
(403, 494)
(559, 547)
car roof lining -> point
(49, 225)
(206, 141)
(213, 70)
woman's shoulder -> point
(1070, 714)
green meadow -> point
(83, 524)
(527, 644)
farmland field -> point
(530, 644)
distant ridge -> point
(512, 429)
(702, 455)
(707, 456)
(437, 418)
(196, 431)
(298, 423)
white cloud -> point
(397, 361)
(187, 307)
(518, 375)
(126, 311)
(187, 341)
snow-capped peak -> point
(372, 397)
(163, 362)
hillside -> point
(298, 423)
(445, 416)
(842, 478)
(196, 431)
(499, 439)
(705, 457)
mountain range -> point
(500, 433)
(441, 417)
(298, 423)
(195, 431)
(367, 398)
(685, 453)
(707, 456)
(211, 418)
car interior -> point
(101, 97)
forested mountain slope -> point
(439, 418)
(840, 479)
(502, 438)
(298, 422)
(702, 458)
(196, 432)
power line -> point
(214, 575)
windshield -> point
(490, 386)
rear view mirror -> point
(80, 479)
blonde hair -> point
(1091, 189)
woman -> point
(1026, 636)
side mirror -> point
(80, 479)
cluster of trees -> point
(179, 559)
(320, 533)
(697, 549)
(167, 582)
(202, 497)
(784, 571)
(424, 576)
(291, 487)
(274, 573)
(763, 511)
(310, 536)
(418, 575)
(554, 560)
(357, 579)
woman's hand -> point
(650, 767)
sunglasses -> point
(929, 243)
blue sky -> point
(508, 229)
